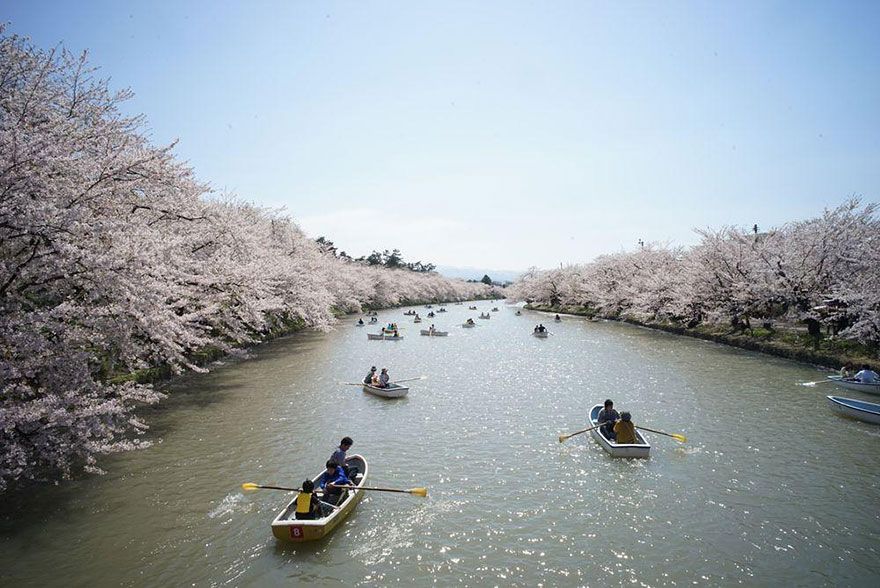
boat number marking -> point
(296, 532)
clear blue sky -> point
(501, 134)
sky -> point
(500, 134)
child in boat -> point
(308, 507)
(607, 417)
(624, 430)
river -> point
(771, 488)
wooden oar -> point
(675, 436)
(414, 491)
(409, 380)
(564, 437)
(826, 381)
(252, 486)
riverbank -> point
(824, 352)
(280, 328)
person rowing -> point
(867, 376)
(360, 321)
(330, 480)
(384, 378)
(368, 379)
(607, 417)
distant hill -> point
(475, 273)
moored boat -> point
(391, 391)
(434, 333)
(640, 449)
(851, 384)
(286, 527)
(857, 409)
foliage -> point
(821, 272)
(114, 258)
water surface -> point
(771, 489)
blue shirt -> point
(340, 479)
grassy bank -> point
(799, 346)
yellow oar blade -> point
(250, 486)
(563, 438)
(678, 437)
(418, 491)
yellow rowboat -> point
(286, 527)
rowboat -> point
(641, 449)
(360, 324)
(854, 385)
(518, 313)
(472, 308)
(441, 310)
(468, 325)
(392, 391)
(417, 320)
(286, 527)
(485, 316)
(857, 409)
(558, 320)
(495, 309)
(431, 333)
(375, 337)
(540, 335)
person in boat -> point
(374, 382)
(470, 321)
(360, 321)
(333, 477)
(384, 378)
(374, 320)
(542, 328)
(557, 318)
(368, 379)
(624, 429)
(867, 376)
(339, 456)
(607, 417)
(536, 329)
(846, 372)
(431, 329)
(308, 506)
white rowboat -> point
(640, 449)
(468, 325)
(854, 385)
(392, 391)
(431, 333)
(857, 409)
(540, 335)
